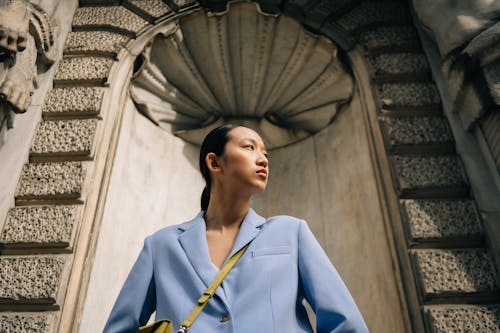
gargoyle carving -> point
(25, 37)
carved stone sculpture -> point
(25, 31)
(242, 66)
(467, 37)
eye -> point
(250, 146)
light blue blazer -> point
(262, 294)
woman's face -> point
(244, 164)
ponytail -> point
(214, 142)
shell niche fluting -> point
(245, 67)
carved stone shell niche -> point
(244, 67)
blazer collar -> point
(194, 242)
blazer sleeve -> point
(325, 291)
(137, 299)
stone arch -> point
(416, 169)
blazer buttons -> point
(224, 318)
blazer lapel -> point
(194, 242)
(249, 229)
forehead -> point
(241, 133)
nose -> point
(262, 160)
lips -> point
(262, 172)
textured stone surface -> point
(26, 322)
(51, 179)
(154, 8)
(94, 42)
(383, 37)
(64, 136)
(399, 63)
(417, 172)
(408, 94)
(452, 271)
(183, 3)
(416, 130)
(44, 225)
(464, 318)
(116, 17)
(442, 218)
(374, 12)
(30, 278)
(74, 101)
(84, 69)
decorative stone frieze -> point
(380, 12)
(196, 76)
(95, 42)
(47, 226)
(455, 271)
(116, 18)
(152, 8)
(464, 318)
(30, 279)
(27, 45)
(92, 69)
(62, 180)
(26, 322)
(399, 63)
(418, 172)
(447, 219)
(414, 94)
(75, 101)
(416, 130)
(64, 137)
(389, 38)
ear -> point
(212, 162)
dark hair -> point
(214, 142)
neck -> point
(225, 210)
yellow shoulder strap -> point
(207, 295)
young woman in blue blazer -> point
(264, 293)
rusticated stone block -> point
(94, 69)
(442, 218)
(375, 12)
(416, 130)
(30, 279)
(399, 63)
(44, 225)
(183, 3)
(94, 42)
(26, 322)
(153, 8)
(415, 94)
(80, 101)
(464, 318)
(64, 137)
(418, 172)
(120, 18)
(58, 180)
(316, 14)
(389, 37)
(455, 271)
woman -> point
(264, 292)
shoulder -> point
(171, 232)
(284, 223)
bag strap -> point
(207, 295)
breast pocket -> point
(271, 251)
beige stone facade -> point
(383, 127)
